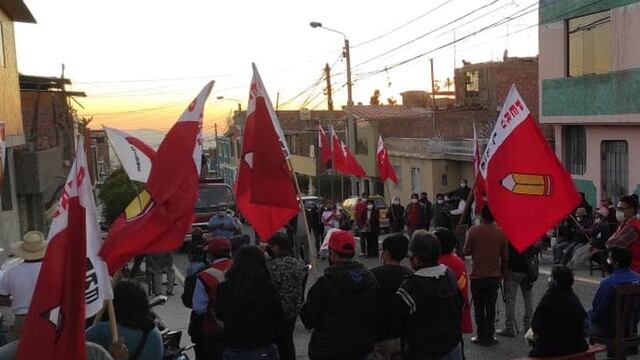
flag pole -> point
(312, 249)
(112, 322)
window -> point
(575, 149)
(362, 138)
(615, 169)
(5, 197)
(589, 40)
(2, 60)
(472, 83)
(415, 180)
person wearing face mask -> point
(440, 217)
(580, 236)
(558, 323)
(223, 224)
(428, 210)
(330, 217)
(359, 219)
(371, 229)
(597, 234)
(396, 216)
(415, 215)
(628, 233)
(601, 315)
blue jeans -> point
(455, 354)
(266, 353)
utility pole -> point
(327, 75)
(215, 132)
(351, 138)
(433, 96)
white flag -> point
(134, 154)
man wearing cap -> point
(341, 305)
(205, 329)
(18, 282)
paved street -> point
(177, 316)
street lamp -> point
(232, 99)
(351, 138)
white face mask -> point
(221, 213)
(396, 202)
(579, 218)
(620, 216)
(598, 220)
(463, 185)
(370, 207)
(440, 202)
(413, 201)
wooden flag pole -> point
(312, 248)
(112, 322)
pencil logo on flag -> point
(528, 184)
(138, 206)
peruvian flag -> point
(479, 191)
(158, 219)
(73, 281)
(323, 144)
(339, 159)
(266, 194)
(528, 189)
(134, 155)
(385, 168)
(352, 166)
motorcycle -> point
(170, 338)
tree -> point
(116, 194)
(448, 83)
(375, 99)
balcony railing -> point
(463, 147)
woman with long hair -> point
(249, 306)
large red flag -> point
(352, 167)
(479, 190)
(528, 189)
(323, 144)
(73, 281)
(338, 156)
(158, 219)
(267, 196)
(385, 168)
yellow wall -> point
(10, 110)
(304, 165)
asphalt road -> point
(177, 316)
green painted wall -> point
(558, 10)
(589, 190)
(606, 94)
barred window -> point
(574, 141)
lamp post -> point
(351, 134)
(232, 99)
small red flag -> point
(267, 196)
(338, 156)
(323, 144)
(352, 166)
(158, 219)
(528, 189)
(385, 168)
(479, 191)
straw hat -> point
(32, 246)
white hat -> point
(32, 246)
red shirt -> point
(459, 270)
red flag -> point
(266, 194)
(479, 190)
(352, 167)
(338, 157)
(528, 189)
(323, 144)
(158, 219)
(386, 170)
(73, 282)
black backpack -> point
(190, 286)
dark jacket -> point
(428, 311)
(428, 212)
(517, 261)
(440, 217)
(373, 225)
(249, 322)
(389, 278)
(340, 308)
(558, 324)
(396, 218)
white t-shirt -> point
(20, 282)
(327, 218)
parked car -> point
(349, 206)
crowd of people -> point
(246, 299)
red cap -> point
(218, 245)
(342, 242)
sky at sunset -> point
(140, 61)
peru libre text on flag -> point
(73, 281)
(266, 194)
(134, 154)
(528, 189)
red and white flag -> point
(385, 168)
(479, 190)
(337, 153)
(266, 194)
(158, 219)
(134, 154)
(3, 154)
(73, 282)
(352, 166)
(323, 144)
(528, 189)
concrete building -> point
(589, 91)
(99, 159)
(10, 114)
(229, 147)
